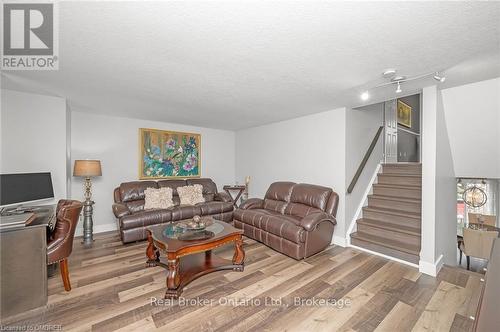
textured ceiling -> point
(239, 64)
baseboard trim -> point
(431, 269)
(98, 229)
(339, 241)
(384, 256)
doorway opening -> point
(478, 206)
(402, 117)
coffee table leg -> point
(239, 254)
(173, 278)
(152, 252)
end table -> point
(240, 189)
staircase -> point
(391, 222)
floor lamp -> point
(87, 169)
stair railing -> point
(365, 160)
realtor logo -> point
(30, 39)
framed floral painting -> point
(168, 154)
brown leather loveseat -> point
(133, 219)
(294, 219)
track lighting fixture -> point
(439, 78)
(398, 89)
(393, 78)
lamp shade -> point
(87, 168)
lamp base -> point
(88, 223)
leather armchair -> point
(60, 243)
(294, 219)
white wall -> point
(114, 141)
(309, 149)
(446, 192)
(33, 136)
(428, 257)
(439, 188)
(472, 115)
(361, 126)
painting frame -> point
(150, 161)
(404, 114)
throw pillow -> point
(158, 198)
(191, 195)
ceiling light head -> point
(439, 78)
(398, 78)
(388, 73)
(398, 89)
(365, 96)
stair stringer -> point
(363, 202)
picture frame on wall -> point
(169, 154)
(404, 114)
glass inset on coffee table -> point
(187, 254)
(176, 232)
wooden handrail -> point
(365, 160)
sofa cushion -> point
(145, 218)
(135, 206)
(310, 194)
(191, 195)
(245, 216)
(273, 222)
(131, 191)
(277, 196)
(160, 198)
(208, 208)
(276, 206)
(174, 184)
(182, 212)
(300, 210)
(279, 191)
(209, 187)
(306, 199)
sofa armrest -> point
(223, 197)
(312, 220)
(120, 210)
(252, 203)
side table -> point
(240, 189)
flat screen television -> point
(25, 187)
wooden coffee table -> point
(187, 260)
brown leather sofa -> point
(133, 219)
(294, 219)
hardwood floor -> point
(113, 290)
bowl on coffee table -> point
(196, 224)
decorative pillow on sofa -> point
(158, 198)
(191, 195)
